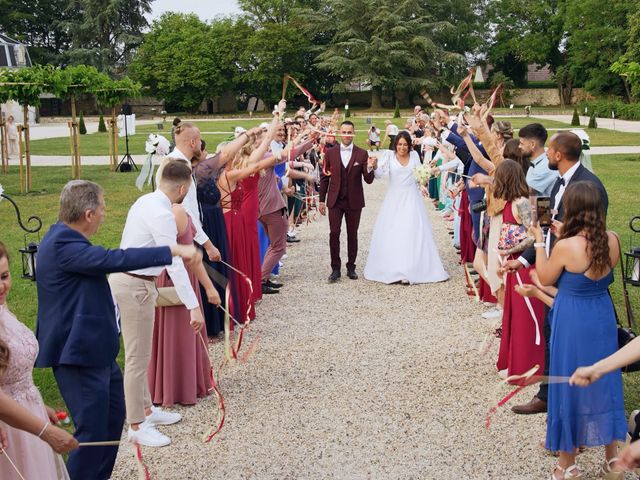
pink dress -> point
(250, 211)
(33, 457)
(179, 366)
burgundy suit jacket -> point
(356, 171)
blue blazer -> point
(76, 314)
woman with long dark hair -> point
(402, 246)
(583, 332)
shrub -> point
(603, 108)
(575, 121)
(592, 121)
(101, 125)
(396, 113)
(82, 128)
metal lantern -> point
(632, 257)
(30, 250)
(29, 254)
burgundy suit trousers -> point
(352, 217)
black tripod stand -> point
(126, 163)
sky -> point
(205, 9)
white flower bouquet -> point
(422, 174)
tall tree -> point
(107, 32)
(42, 25)
(387, 44)
(181, 61)
(596, 42)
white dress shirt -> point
(150, 223)
(345, 154)
(558, 198)
(190, 202)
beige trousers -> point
(136, 300)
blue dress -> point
(583, 331)
(214, 226)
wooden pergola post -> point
(27, 148)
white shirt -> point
(392, 130)
(558, 198)
(150, 223)
(190, 202)
(345, 154)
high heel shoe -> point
(567, 473)
(607, 473)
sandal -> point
(607, 472)
(567, 473)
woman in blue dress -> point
(583, 331)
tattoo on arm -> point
(523, 209)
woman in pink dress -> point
(179, 368)
(522, 341)
(31, 455)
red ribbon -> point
(304, 91)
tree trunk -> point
(627, 91)
(376, 98)
(27, 147)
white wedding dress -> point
(402, 246)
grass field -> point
(97, 143)
(620, 174)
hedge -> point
(603, 108)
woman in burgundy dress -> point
(522, 340)
(238, 186)
(179, 366)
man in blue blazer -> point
(564, 157)
(77, 327)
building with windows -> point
(14, 54)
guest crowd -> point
(243, 206)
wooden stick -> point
(4, 452)
(109, 443)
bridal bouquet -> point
(422, 174)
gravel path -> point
(359, 380)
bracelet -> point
(539, 245)
(43, 429)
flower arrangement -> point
(422, 174)
(157, 145)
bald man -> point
(188, 143)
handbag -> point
(625, 334)
(511, 235)
(168, 297)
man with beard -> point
(563, 158)
(539, 177)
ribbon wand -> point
(285, 83)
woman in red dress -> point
(522, 341)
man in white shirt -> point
(150, 222)
(540, 177)
(188, 144)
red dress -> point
(518, 349)
(179, 366)
(250, 212)
(467, 247)
(237, 238)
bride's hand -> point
(424, 191)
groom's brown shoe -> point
(352, 274)
(335, 275)
(535, 405)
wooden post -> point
(27, 147)
(21, 159)
(75, 151)
(4, 150)
(73, 154)
(114, 138)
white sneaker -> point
(489, 304)
(284, 257)
(160, 417)
(148, 436)
(492, 314)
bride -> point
(402, 246)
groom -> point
(345, 166)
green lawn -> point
(620, 174)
